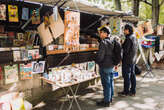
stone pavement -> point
(149, 96)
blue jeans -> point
(129, 76)
(107, 83)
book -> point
(33, 54)
(16, 56)
(20, 36)
(38, 67)
(11, 74)
(24, 55)
(26, 71)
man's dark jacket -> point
(105, 53)
(130, 49)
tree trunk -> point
(155, 13)
(136, 4)
(118, 5)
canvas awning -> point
(83, 6)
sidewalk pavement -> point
(149, 96)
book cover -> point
(26, 71)
(2, 12)
(13, 13)
(38, 67)
(16, 56)
(11, 73)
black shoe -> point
(132, 94)
(122, 94)
(103, 104)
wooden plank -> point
(63, 51)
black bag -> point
(137, 70)
(117, 53)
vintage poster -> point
(11, 74)
(16, 56)
(35, 16)
(26, 71)
(38, 67)
(13, 13)
(115, 25)
(57, 26)
(25, 13)
(72, 27)
(2, 12)
(45, 34)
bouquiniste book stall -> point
(46, 39)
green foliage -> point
(145, 10)
(161, 16)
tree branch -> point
(161, 3)
(145, 1)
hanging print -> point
(13, 13)
(25, 13)
(72, 27)
(2, 12)
(35, 16)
